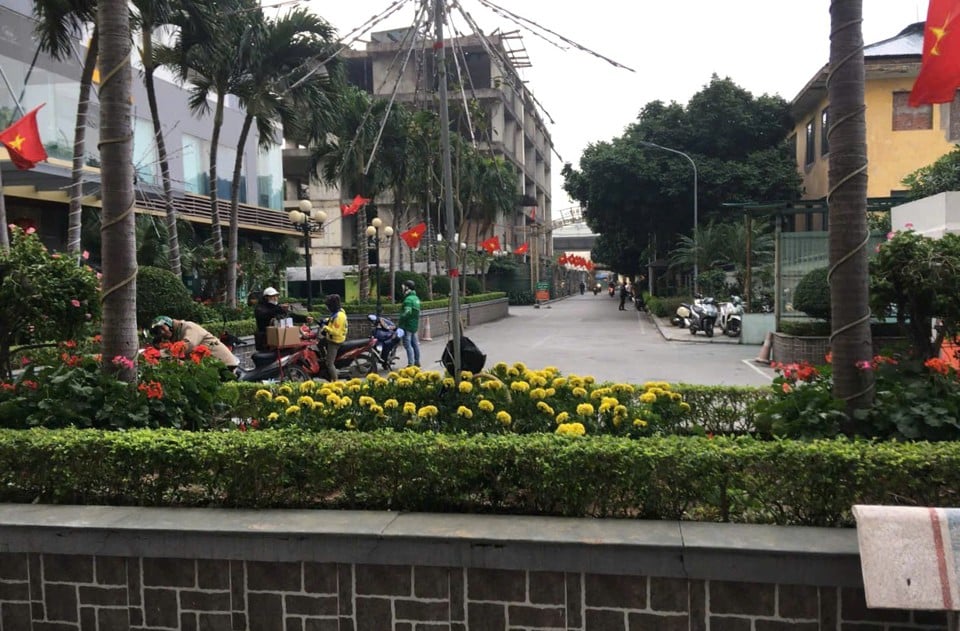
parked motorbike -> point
(703, 316)
(682, 317)
(638, 301)
(279, 365)
(731, 316)
(389, 339)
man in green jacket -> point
(409, 321)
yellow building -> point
(900, 138)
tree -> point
(278, 84)
(635, 195)
(850, 340)
(942, 175)
(116, 154)
(58, 23)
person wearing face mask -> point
(267, 310)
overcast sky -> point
(764, 46)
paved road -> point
(587, 335)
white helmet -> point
(270, 291)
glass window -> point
(226, 158)
(824, 128)
(145, 156)
(196, 159)
(810, 138)
(270, 177)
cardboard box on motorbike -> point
(283, 336)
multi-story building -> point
(515, 130)
(38, 197)
(900, 138)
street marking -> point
(749, 362)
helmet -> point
(270, 291)
(161, 320)
(409, 284)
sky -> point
(764, 46)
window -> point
(810, 153)
(145, 157)
(196, 158)
(906, 118)
(270, 177)
(824, 128)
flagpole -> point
(451, 241)
(4, 230)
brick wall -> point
(134, 569)
(54, 592)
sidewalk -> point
(676, 334)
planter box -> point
(789, 349)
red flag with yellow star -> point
(22, 140)
(412, 236)
(939, 75)
(522, 249)
(491, 245)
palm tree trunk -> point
(850, 340)
(118, 249)
(215, 230)
(74, 219)
(173, 238)
(234, 234)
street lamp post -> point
(307, 220)
(696, 252)
(373, 232)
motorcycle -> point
(355, 358)
(682, 317)
(731, 316)
(639, 301)
(389, 339)
(703, 316)
(596, 289)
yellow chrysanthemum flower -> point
(305, 401)
(500, 366)
(620, 411)
(513, 372)
(575, 382)
(307, 386)
(464, 411)
(344, 402)
(365, 401)
(409, 407)
(684, 406)
(448, 382)
(579, 392)
(606, 406)
(624, 388)
(317, 406)
(466, 387)
(675, 396)
(376, 409)
(391, 404)
(466, 374)
(392, 375)
(285, 389)
(485, 405)
(272, 416)
(639, 422)
(520, 386)
(293, 409)
(405, 382)
(427, 411)
(550, 391)
(281, 400)
(563, 417)
(648, 397)
(520, 366)
(617, 420)
(333, 398)
(559, 382)
(589, 379)
(571, 429)
(543, 407)
(263, 395)
(584, 409)
(599, 393)
(504, 417)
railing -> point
(197, 208)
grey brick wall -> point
(57, 592)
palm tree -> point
(116, 154)
(271, 89)
(850, 340)
(58, 24)
(341, 157)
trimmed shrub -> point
(474, 286)
(812, 295)
(160, 292)
(441, 286)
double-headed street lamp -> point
(375, 232)
(696, 252)
(307, 220)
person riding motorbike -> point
(268, 309)
(335, 331)
(166, 329)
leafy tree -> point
(45, 296)
(812, 295)
(942, 175)
(635, 195)
(920, 278)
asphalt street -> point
(588, 335)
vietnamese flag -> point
(354, 206)
(22, 140)
(940, 69)
(491, 245)
(522, 249)
(412, 236)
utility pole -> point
(451, 241)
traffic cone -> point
(426, 330)
(764, 356)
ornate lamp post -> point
(375, 232)
(307, 220)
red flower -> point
(937, 365)
(178, 349)
(30, 384)
(153, 389)
(70, 360)
(199, 353)
(152, 356)
(70, 344)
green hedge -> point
(720, 479)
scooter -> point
(639, 302)
(389, 338)
(731, 316)
(682, 317)
(703, 316)
(596, 289)
(278, 365)
(355, 358)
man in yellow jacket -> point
(335, 330)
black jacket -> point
(264, 313)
